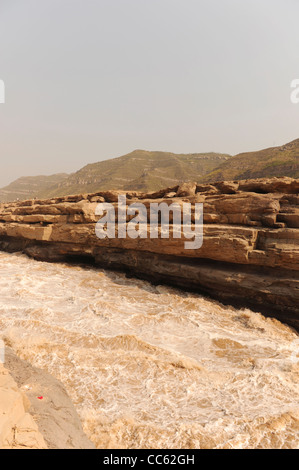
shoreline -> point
(50, 422)
(249, 256)
(59, 335)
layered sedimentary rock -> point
(249, 256)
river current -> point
(151, 366)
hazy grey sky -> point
(88, 80)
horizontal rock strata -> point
(249, 256)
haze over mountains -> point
(143, 170)
(28, 187)
(139, 170)
(275, 161)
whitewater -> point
(152, 366)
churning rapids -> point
(150, 366)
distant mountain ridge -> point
(140, 170)
(28, 187)
(146, 171)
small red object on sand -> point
(40, 398)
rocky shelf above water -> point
(249, 256)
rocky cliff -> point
(18, 430)
(249, 256)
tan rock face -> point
(186, 190)
(18, 430)
(250, 252)
(54, 415)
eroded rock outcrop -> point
(35, 410)
(18, 430)
(51, 420)
(249, 256)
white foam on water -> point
(153, 367)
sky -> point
(87, 80)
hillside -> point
(146, 171)
(29, 187)
(139, 170)
(275, 161)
